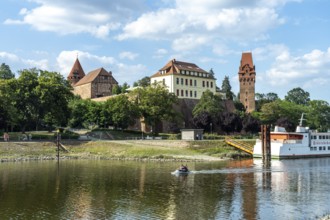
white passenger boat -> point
(300, 144)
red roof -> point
(91, 76)
(76, 72)
(246, 60)
(174, 67)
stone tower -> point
(247, 79)
(76, 73)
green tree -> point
(78, 109)
(26, 98)
(318, 115)
(298, 96)
(211, 72)
(226, 88)
(155, 104)
(122, 111)
(250, 124)
(144, 82)
(116, 89)
(8, 112)
(124, 87)
(5, 72)
(54, 93)
(271, 112)
(230, 122)
(262, 99)
(209, 103)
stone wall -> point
(84, 91)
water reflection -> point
(246, 189)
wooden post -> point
(58, 138)
(265, 137)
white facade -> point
(187, 84)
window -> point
(177, 92)
(203, 83)
(186, 93)
(211, 84)
(186, 82)
(207, 84)
(195, 94)
(182, 93)
(191, 82)
(181, 81)
(190, 93)
(195, 82)
(177, 81)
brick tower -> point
(76, 73)
(247, 79)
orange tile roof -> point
(247, 59)
(76, 68)
(174, 67)
(91, 76)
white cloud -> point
(97, 18)
(39, 64)
(160, 53)
(8, 56)
(129, 73)
(189, 42)
(229, 20)
(270, 52)
(18, 63)
(128, 55)
(309, 69)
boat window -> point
(328, 148)
(320, 148)
(323, 148)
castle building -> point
(185, 80)
(97, 83)
(247, 76)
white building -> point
(186, 80)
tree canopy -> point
(226, 88)
(209, 103)
(5, 72)
(144, 82)
(298, 96)
(155, 103)
(37, 98)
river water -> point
(93, 189)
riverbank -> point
(166, 150)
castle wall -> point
(84, 91)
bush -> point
(173, 137)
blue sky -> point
(289, 39)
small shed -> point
(192, 134)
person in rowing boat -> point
(184, 168)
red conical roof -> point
(76, 72)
